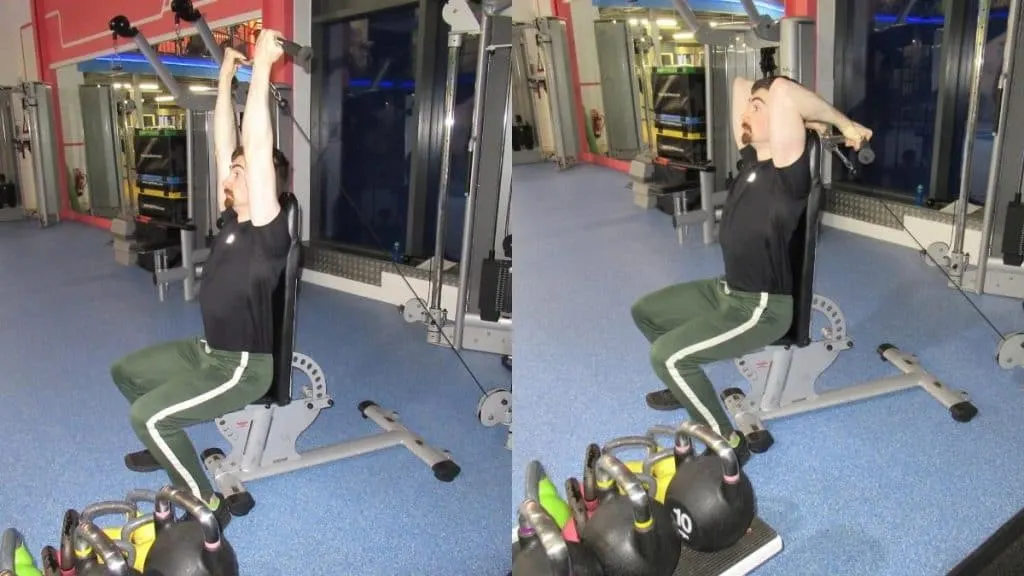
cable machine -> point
(482, 318)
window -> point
(366, 128)
(889, 77)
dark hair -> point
(766, 82)
(282, 167)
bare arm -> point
(740, 97)
(225, 140)
(790, 108)
(258, 135)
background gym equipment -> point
(482, 319)
(711, 499)
(14, 555)
(631, 535)
(263, 435)
(196, 547)
(783, 377)
(541, 549)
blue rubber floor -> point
(889, 486)
(67, 311)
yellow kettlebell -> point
(650, 447)
(140, 531)
(661, 464)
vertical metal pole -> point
(479, 96)
(709, 105)
(1009, 51)
(437, 267)
(960, 216)
(188, 236)
(31, 95)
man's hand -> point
(268, 50)
(855, 134)
(232, 60)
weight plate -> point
(495, 408)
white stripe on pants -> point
(670, 364)
(173, 409)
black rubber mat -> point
(1001, 555)
(753, 550)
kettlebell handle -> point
(9, 544)
(590, 472)
(535, 473)
(653, 461)
(134, 525)
(533, 515)
(716, 443)
(67, 542)
(611, 469)
(670, 433)
(109, 508)
(168, 496)
(619, 444)
(140, 495)
(117, 564)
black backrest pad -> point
(802, 247)
(285, 306)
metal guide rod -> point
(182, 97)
(960, 215)
(450, 85)
(1005, 79)
(479, 96)
(216, 52)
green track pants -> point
(177, 384)
(696, 323)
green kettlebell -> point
(540, 488)
(14, 556)
(545, 552)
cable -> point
(928, 255)
(365, 224)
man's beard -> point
(747, 137)
(229, 200)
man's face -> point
(236, 193)
(755, 119)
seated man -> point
(174, 385)
(704, 321)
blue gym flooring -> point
(889, 486)
(67, 310)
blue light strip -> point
(184, 66)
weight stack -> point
(495, 289)
(126, 248)
(1013, 234)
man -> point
(705, 321)
(175, 385)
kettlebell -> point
(66, 552)
(141, 531)
(650, 446)
(114, 561)
(588, 495)
(577, 509)
(663, 463)
(632, 535)
(14, 555)
(546, 553)
(108, 508)
(190, 548)
(711, 499)
(540, 488)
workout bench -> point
(263, 435)
(783, 376)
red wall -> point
(70, 29)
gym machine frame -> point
(495, 406)
(783, 376)
(988, 275)
(190, 271)
(263, 435)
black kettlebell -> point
(545, 552)
(191, 548)
(632, 535)
(710, 498)
(114, 561)
(66, 550)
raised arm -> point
(225, 138)
(791, 108)
(258, 135)
(740, 97)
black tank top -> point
(239, 278)
(760, 215)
